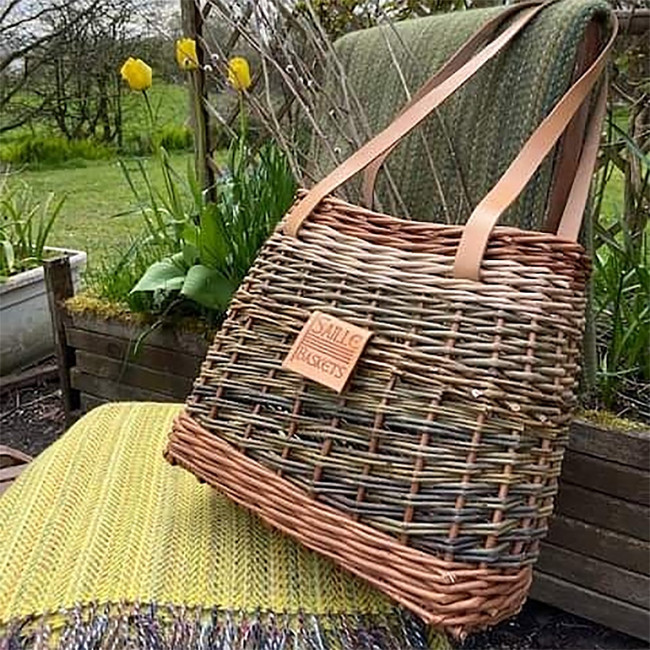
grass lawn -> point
(98, 191)
(612, 206)
(169, 103)
(95, 193)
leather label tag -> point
(327, 350)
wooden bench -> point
(12, 463)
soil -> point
(542, 627)
(32, 417)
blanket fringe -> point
(139, 626)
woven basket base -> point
(456, 597)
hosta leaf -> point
(179, 260)
(207, 287)
(164, 275)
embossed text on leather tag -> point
(327, 350)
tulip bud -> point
(239, 74)
(136, 73)
(186, 54)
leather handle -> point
(403, 124)
(483, 219)
(472, 45)
(571, 221)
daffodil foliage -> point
(216, 241)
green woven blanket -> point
(478, 132)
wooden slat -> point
(623, 481)
(164, 337)
(89, 402)
(60, 287)
(149, 356)
(591, 541)
(10, 474)
(29, 377)
(603, 510)
(192, 20)
(636, 21)
(629, 448)
(131, 374)
(10, 457)
(589, 604)
(112, 391)
(597, 575)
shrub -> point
(174, 138)
(618, 353)
(171, 137)
(51, 150)
(622, 311)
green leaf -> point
(632, 145)
(164, 275)
(213, 242)
(179, 260)
(9, 256)
(189, 254)
(190, 233)
(207, 287)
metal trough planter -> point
(25, 322)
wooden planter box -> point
(595, 561)
(117, 361)
(107, 359)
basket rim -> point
(429, 226)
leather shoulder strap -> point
(571, 221)
(486, 214)
(403, 124)
(474, 44)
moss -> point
(608, 420)
(88, 304)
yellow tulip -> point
(239, 74)
(136, 73)
(186, 54)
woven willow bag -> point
(396, 395)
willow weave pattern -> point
(432, 475)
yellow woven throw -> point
(104, 545)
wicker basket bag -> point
(396, 395)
